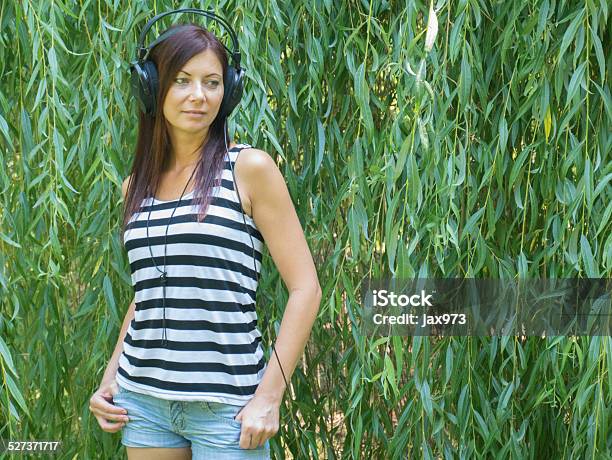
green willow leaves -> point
(434, 138)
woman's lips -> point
(195, 114)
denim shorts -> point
(208, 427)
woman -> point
(188, 375)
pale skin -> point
(266, 199)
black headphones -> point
(144, 77)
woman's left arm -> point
(277, 221)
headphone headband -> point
(143, 52)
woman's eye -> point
(181, 81)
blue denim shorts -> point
(208, 427)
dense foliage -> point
(484, 152)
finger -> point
(119, 418)
(110, 412)
(258, 440)
(101, 405)
(245, 440)
(109, 426)
(112, 428)
(251, 440)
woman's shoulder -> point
(254, 160)
(258, 173)
(124, 186)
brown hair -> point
(153, 145)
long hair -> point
(153, 146)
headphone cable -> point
(250, 236)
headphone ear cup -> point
(152, 86)
(232, 90)
(145, 83)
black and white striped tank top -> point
(213, 350)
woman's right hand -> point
(111, 418)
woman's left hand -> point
(260, 421)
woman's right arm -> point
(112, 418)
(113, 363)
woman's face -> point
(197, 87)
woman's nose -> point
(198, 91)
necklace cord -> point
(164, 274)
